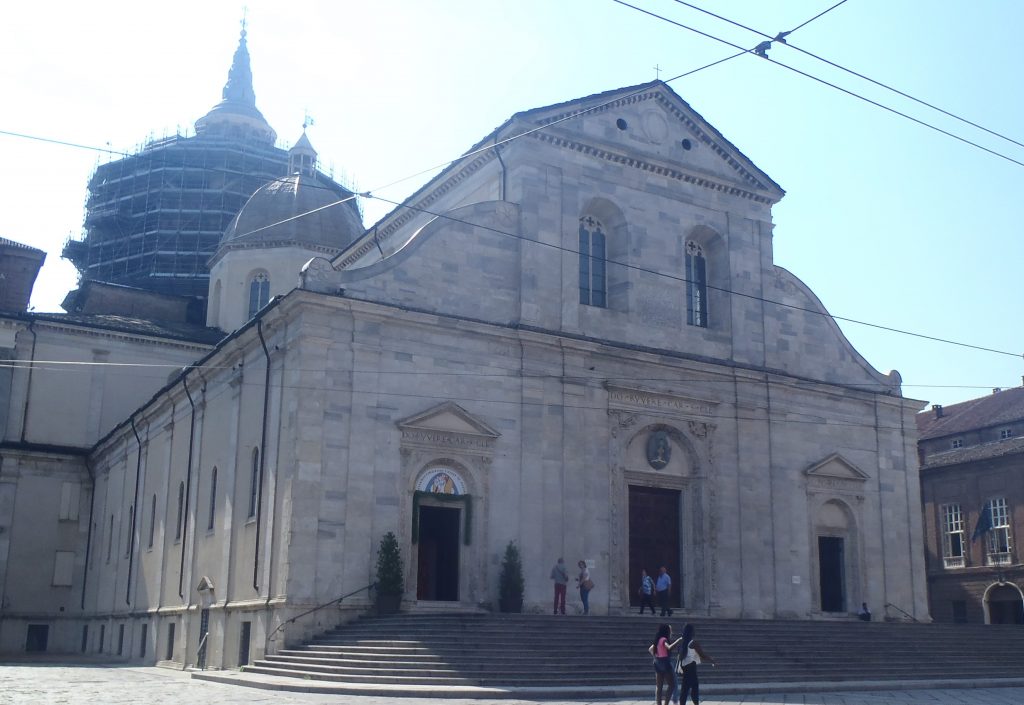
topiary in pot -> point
(510, 582)
(390, 583)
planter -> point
(388, 604)
(511, 605)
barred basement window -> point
(999, 536)
(952, 536)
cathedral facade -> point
(576, 341)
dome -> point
(270, 216)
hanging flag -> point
(984, 524)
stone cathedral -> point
(577, 340)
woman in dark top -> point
(690, 654)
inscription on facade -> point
(639, 399)
(442, 438)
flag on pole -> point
(984, 524)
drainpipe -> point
(263, 461)
(504, 171)
(28, 386)
(188, 488)
(135, 516)
(88, 536)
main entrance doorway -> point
(437, 565)
(831, 574)
(654, 524)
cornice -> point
(694, 179)
(659, 96)
(111, 334)
(443, 188)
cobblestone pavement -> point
(54, 684)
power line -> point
(782, 38)
(676, 277)
(847, 91)
(509, 373)
(820, 14)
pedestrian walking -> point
(646, 591)
(664, 590)
(585, 585)
(561, 577)
(664, 674)
(690, 654)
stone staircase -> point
(534, 651)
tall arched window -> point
(259, 292)
(593, 283)
(254, 482)
(152, 522)
(696, 285)
(213, 499)
(181, 510)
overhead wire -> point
(783, 38)
(822, 81)
(678, 278)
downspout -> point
(135, 516)
(28, 386)
(263, 460)
(88, 536)
(504, 171)
(188, 488)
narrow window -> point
(170, 642)
(131, 530)
(696, 286)
(152, 522)
(952, 536)
(999, 536)
(143, 640)
(181, 510)
(110, 538)
(593, 286)
(254, 482)
(259, 292)
(213, 500)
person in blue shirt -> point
(646, 591)
(664, 589)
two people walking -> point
(560, 575)
(681, 677)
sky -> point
(888, 221)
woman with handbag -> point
(661, 650)
(585, 585)
(690, 654)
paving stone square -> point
(59, 684)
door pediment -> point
(448, 425)
(837, 467)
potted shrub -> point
(390, 583)
(510, 582)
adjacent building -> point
(972, 486)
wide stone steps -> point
(533, 651)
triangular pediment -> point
(651, 127)
(448, 417)
(838, 467)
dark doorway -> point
(38, 635)
(831, 574)
(170, 641)
(204, 633)
(654, 538)
(243, 644)
(437, 572)
(1005, 606)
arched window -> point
(181, 510)
(152, 522)
(259, 292)
(213, 499)
(593, 284)
(696, 285)
(254, 482)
